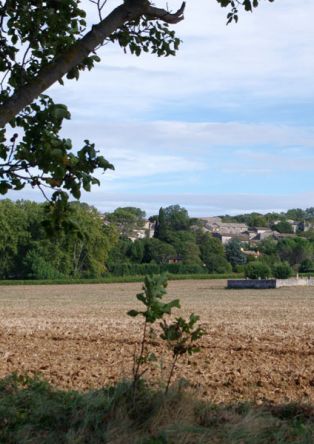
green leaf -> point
(4, 187)
(61, 112)
(133, 313)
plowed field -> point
(259, 344)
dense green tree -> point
(189, 252)
(89, 245)
(294, 250)
(176, 218)
(256, 270)
(268, 247)
(257, 220)
(282, 270)
(13, 235)
(296, 214)
(27, 251)
(158, 252)
(127, 219)
(309, 213)
(177, 237)
(283, 227)
(173, 226)
(212, 253)
(306, 266)
(215, 263)
(45, 260)
(119, 253)
(274, 217)
(136, 251)
(209, 245)
(234, 253)
(161, 228)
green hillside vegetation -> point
(93, 246)
(262, 220)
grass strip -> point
(32, 411)
(117, 279)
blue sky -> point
(226, 126)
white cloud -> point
(191, 136)
(133, 164)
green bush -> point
(306, 266)
(39, 268)
(240, 268)
(256, 270)
(282, 270)
(216, 263)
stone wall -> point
(295, 282)
(261, 284)
(270, 283)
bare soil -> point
(259, 344)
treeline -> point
(278, 221)
(93, 246)
(29, 251)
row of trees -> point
(277, 221)
(88, 247)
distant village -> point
(226, 231)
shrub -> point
(217, 264)
(40, 268)
(256, 270)
(239, 268)
(282, 270)
(306, 266)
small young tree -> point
(180, 335)
(154, 289)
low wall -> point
(252, 283)
(270, 283)
(295, 282)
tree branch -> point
(73, 56)
(166, 16)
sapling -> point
(154, 289)
(181, 336)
